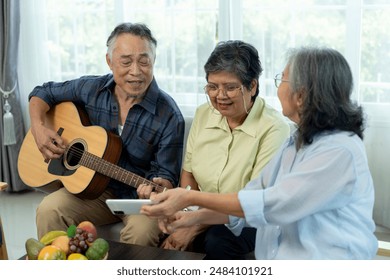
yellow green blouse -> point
(223, 161)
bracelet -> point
(188, 188)
(190, 208)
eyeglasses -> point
(278, 80)
(230, 91)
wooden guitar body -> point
(84, 143)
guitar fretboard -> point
(115, 172)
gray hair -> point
(324, 78)
(236, 57)
(137, 29)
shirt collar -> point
(149, 102)
(109, 85)
(250, 125)
(292, 139)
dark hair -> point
(138, 29)
(236, 57)
(324, 78)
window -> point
(275, 27)
(71, 36)
(61, 40)
(355, 28)
(374, 82)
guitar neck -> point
(115, 172)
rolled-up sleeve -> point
(252, 203)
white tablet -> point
(126, 206)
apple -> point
(88, 227)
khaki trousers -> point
(60, 209)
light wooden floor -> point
(17, 212)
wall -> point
(377, 139)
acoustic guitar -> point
(89, 160)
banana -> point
(51, 235)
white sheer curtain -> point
(11, 122)
(33, 52)
(60, 42)
(66, 39)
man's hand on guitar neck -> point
(144, 190)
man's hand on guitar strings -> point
(49, 143)
(163, 182)
(144, 191)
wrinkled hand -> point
(49, 143)
(180, 219)
(144, 190)
(179, 240)
(166, 203)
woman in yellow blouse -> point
(231, 139)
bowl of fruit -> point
(76, 243)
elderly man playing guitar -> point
(134, 144)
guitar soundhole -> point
(74, 154)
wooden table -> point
(121, 251)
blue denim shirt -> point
(152, 134)
(312, 203)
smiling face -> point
(234, 109)
(132, 65)
(290, 101)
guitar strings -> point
(94, 160)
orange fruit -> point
(76, 256)
(51, 252)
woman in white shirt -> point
(315, 198)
